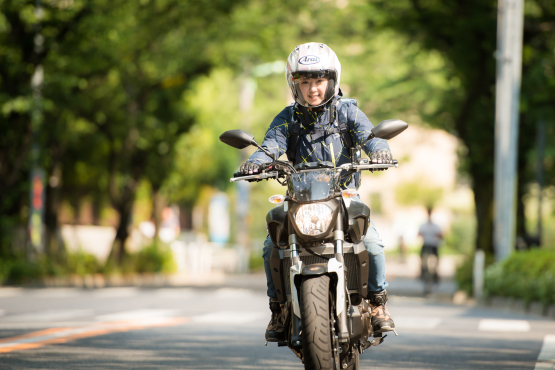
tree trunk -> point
(97, 203)
(186, 218)
(125, 210)
(483, 199)
(157, 206)
(53, 241)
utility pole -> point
(509, 70)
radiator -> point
(351, 268)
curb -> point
(515, 305)
(507, 304)
(97, 281)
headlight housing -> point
(313, 219)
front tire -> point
(315, 323)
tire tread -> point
(315, 323)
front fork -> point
(336, 266)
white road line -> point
(48, 315)
(2, 312)
(546, 358)
(137, 314)
(229, 317)
(408, 322)
(503, 325)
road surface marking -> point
(136, 314)
(416, 322)
(229, 317)
(48, 315)
(503, 325)
(546, 358)
(63, 335)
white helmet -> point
(313, 60)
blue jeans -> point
(376, 271)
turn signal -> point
(349, 193)
(276, 199)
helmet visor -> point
(299, 77)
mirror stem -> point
(271, 155)
(370, 137)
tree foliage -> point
(115, 73)
(140, 90)
(464, 33)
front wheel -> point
(315, 323)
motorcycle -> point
(320, 266)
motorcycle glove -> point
(248, 168)
(381, 156)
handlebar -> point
(362, 167)
(260, 176)
(346, 166)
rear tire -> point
(315, 323)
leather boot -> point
(380, 318)
(274, 331)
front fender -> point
(332, 267)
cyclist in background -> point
(432, 236)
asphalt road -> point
(223, 328)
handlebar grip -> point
(255, 177)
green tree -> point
(140, 57)
(464, 34)
(21, 53)
(115, 72)
(538, 89)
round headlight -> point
(313, 219)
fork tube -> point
(339, 236)
(294, 252)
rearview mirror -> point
(238, 139)
(389, 128)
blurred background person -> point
(431, 239)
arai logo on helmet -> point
(309, 59)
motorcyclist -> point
(313, 74)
